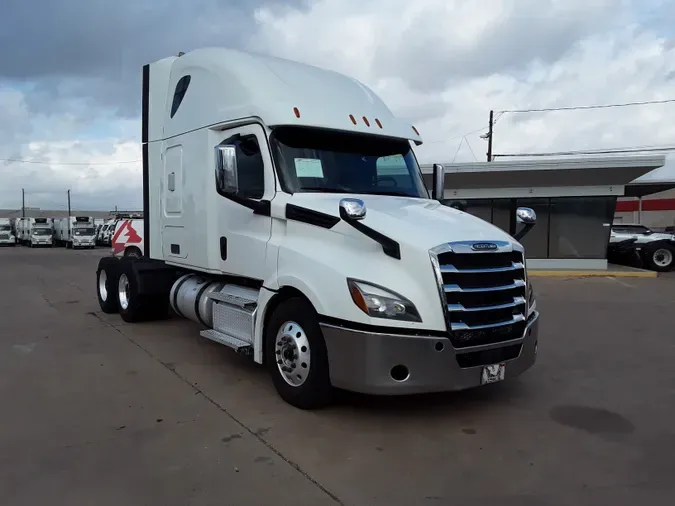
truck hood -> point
(420, 223)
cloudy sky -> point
(70, 76)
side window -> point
(179, 93)
(392, 171)
(250, 166)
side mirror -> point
(438, 186)
(526, 215)
(226, 169)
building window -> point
(579, 226)
(567, 227)
(179, 93)
(501, 213)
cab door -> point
(244, 222)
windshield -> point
(5, 228)
(313, 160)
(42, 231)
(83, 231)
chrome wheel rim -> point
(292, 353)
(663, 257)
(102, 288)
(123, 291)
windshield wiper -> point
(325, 189)
(395, 194)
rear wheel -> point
(661, 258)
(135, 306)
(106, 285)
(296, 355)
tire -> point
(129, 299)
(295, 320)
(106, 287)
(661, 258)
(132, 251)
(134, 306)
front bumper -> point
(363, 361)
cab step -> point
(235, 295)
(232, 342)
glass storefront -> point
(567, 227)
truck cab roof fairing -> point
(226, 85)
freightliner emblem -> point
(483, 246)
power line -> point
(581, 107)
(19, 160)
(591, 152)
(476, 130)
(470, 148)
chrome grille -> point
(4, 236)
(484, 293)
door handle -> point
(172, 182)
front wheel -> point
(296, 355)
(661, 258)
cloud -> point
(72, 95)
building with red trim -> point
(576, 200)
(650, 203)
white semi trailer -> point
(268, 222)
(7, 237)
(75, 232)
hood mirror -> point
(352, 209)
(527, 217)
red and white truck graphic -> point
(128, 238)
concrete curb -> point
(563, 273)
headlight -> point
(379, 302)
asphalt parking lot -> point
(96, 411)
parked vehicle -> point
(75, 232)
(268, 221)
(103, 235)
(38, 232)
(638, 245)
(7, 237)
(108, 229)
(127, 239)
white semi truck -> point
(268, 222)
(75, 232)
(37, 232)
(7, 237)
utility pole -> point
(489, 137)
(23, 203)
(68, 214)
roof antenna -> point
(180, 53)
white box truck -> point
(268, 222)
(22, 230)
(7, 237)
(75, 232)
(38, 232)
